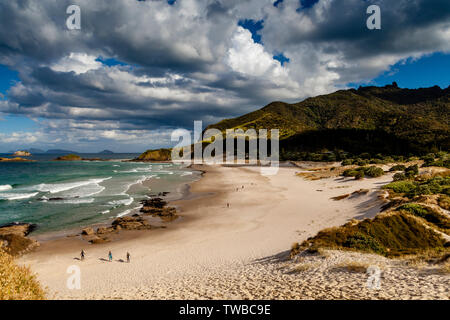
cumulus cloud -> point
(77, 62)
(138, 69)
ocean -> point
(58, 195)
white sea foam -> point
(106, 211)
(60, 187)
(138, 181)
(123, 213)
(5, 187)
(84, 191)
(76, 201)
(126, 212)
(119, 203)
(17, 196)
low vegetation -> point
(155, 155)
(394, 234)
(17, 282)
(441, 159)
(361, 172)
(413, 188)
(444, 202)
(436, 219)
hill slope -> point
(371, 119)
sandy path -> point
(214, 251)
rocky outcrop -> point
(22, 154)
(157, 207)
(155, 155)
(13, 238)
(16, 159)
(69, 157)
(132, 223)
(87, 232)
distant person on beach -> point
(110, 256)
(128, 257)
(228, 205)
(82, 255)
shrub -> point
(444, 202)
(373, 172)
(390, 235)
(347, 162)
(399, 176)
(360, 172)
(398, 167)
(359, 175)
(401, 186)
(361, 162)
(412, 171)
(350, 173)
(431, 216)
(364, 242)
(17, 282)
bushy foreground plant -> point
(17, 282)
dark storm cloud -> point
(191, 61)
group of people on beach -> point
(237, 189)
(110, 257)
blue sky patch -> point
(425, 72)
(282, 58)
(253, 26)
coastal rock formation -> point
(69, 157)
(156, 207)
(105, 230)
(22, 154)
(155, 155)
(87, 232)
(13, 237)
(16, 159)
(132, 223)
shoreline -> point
(182, 192)
(238, 252)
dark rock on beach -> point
(87, 232)
(157, 207)
(13, 238)
(132, 223)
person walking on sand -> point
(82, 255)
(110, 256)
(128, 257)
(228, 205)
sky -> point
(137, 70)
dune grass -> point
(391, 235)
(434, 218)
(17, 282)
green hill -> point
(388, 120)
(155, 155)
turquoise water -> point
(64, 195)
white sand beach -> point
(237, 252)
